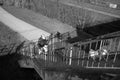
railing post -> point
(79, 55)
(83, 58)
(114, 59)
(45, 55)
(101, 44)
(88, 55)
(95, 49)
(52, 56)
(70, 60)
(67, 59)
(30, 50)
(106, 60)
(107, 57)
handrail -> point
(71, 54)
(94, 39)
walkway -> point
(38, 20)
(28, 31)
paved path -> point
(38, 20)
(28, 31)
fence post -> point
(83, 58)
(79, 54)
(101, 44)
(88, 55)
(107, 57)
(114, 59)
(70, 60)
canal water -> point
(10, 69)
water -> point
(10, 69)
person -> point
(58, 35)
(42, 42)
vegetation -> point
(8, 36)
(64, 13)
(9, 40)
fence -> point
(78, 53)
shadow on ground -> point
(10, 69)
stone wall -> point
(64, 13)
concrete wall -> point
(66, 14)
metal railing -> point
(78, 53)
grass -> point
(8, 36)
(62, 12)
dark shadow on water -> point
(10, 69)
